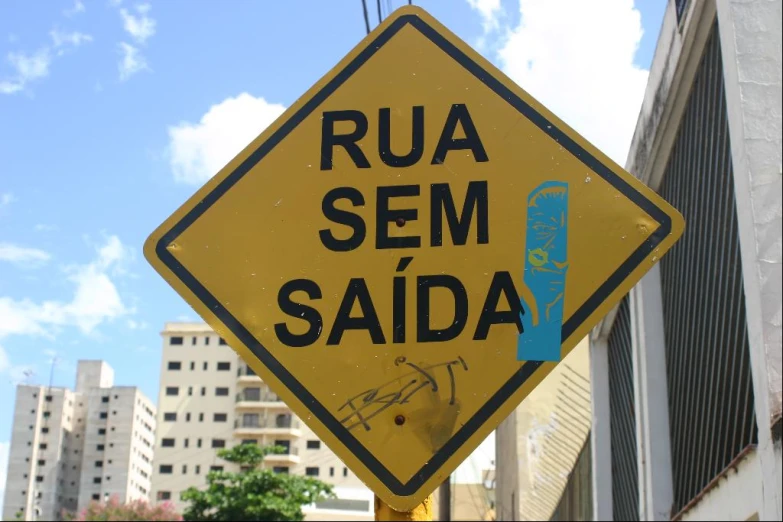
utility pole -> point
(444, 501)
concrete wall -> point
(735, 496)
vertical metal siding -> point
(625, 479)
(707, 356)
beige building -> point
(69, 448)
(538, 445)
(209, 399)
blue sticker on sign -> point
(546, 264)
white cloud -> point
(136, 325)
(74, 39)
(140, 27)
(199, 150)
(132, 61)
(489, 11)
(78, 7)
(95, 299)
(6, 198)
(576, 58)
(27, 68)
(22, 255)
(43, 227)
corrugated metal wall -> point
(711, 411)
(625, 480)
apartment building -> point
(70, 447)
(210, 399)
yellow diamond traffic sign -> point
(409, 250)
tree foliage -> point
(134, 510)
(253, 493)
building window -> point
(186, 443)
(101, 431)
(205, 365)
(345, 472)
(164, 495)
(47, 414)
(192, 365)
(166, 469)
(170, 416)
(175, 365)
(105, 399)
(184, 469)
(176, 340)
(103, 415)
(41, 462)
(167, 443)
(172, 390)
(311, 472)
(198, 469)
(206, 340)
(48, 398)
(280, 469)
(220, 417)
(193, 341)
(331, 471)
(221, 392)
(218, 443)
(190, 391)
(187, 417)
(98, 463)
(201, 417)
(96, 480)
(100, 447)
(224, 366)
(96, 496)
(222, 342)
(44, 430)
(216, 468)
(249, 441)
(203, 391)
(313, 444)
(198, 443)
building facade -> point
(210, 399)
(69, 448)
(686, 371)
(540, 443)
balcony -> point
(248, 400)
(246, 375)
(290, 456)
(251, 425)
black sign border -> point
(526, 370)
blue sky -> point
(112, 113)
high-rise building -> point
(69, 448)
(210, 399)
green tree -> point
(253, 493)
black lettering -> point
(343, 217)
(442, 202)
(501, 283)
(348, 141)
(300, 311)
(459, 114)
(398, 310)
(356, 291)
(425, 334)
(384, 216)
(384, 139)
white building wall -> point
(188, 395)
(734, 496)
(55, 454)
